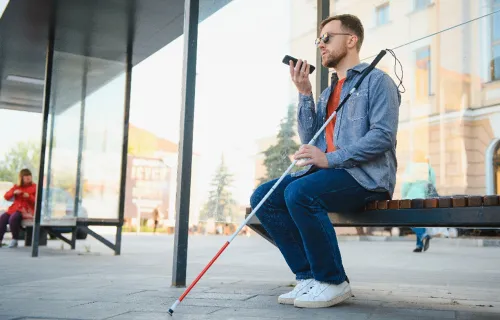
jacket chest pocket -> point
(357, 105)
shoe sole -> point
(323, 304)
(288, 301)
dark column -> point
(126, 116)
(321, 73)
(191, 12)
(45, 116)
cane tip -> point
(170, 312)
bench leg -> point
(43, 237)
(73, 238)
(28, 236)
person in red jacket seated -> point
(23, 195)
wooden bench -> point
(463, 211)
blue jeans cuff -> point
(304, 275)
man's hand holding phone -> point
(300, 76)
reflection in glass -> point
(62, 153)
(85, 139)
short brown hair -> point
(23, 173)
(350, 23)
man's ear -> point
(353, 40)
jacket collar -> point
(359, 68)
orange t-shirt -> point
(333, 103)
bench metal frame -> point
(82, 224)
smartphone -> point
(287, 58)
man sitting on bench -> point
(352, 163)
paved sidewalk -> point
(388, 280)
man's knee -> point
(296, 193)
(258, 195)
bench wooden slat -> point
(430, 203)
(371, 206)
(459, 202)
(474, 201)
(393, 204)
(444, 202)
(383, 205)
(491, 200)
(405, 204)
(417, 203)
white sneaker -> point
(13, 244)
(302, 287)
(324, 295)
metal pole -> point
(126, 116)
(321, 73)
(45, 112)
(191, 12)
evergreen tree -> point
(220, 205)
(277, 157)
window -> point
(495, 42)
(422, 4)
(423, 85)
(382, 14)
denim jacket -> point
(365, 128)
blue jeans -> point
(295, 216)
(420, 233)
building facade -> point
(450, 110)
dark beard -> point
(333, 60)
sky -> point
(242, 88)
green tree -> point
(220, 204)
(23, 155)
(277, 157)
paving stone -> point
(162, 316)
(465, 315)
(419, 313)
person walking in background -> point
(23, 195)
(156, 218)
(419, 183)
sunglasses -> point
(326, 37)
